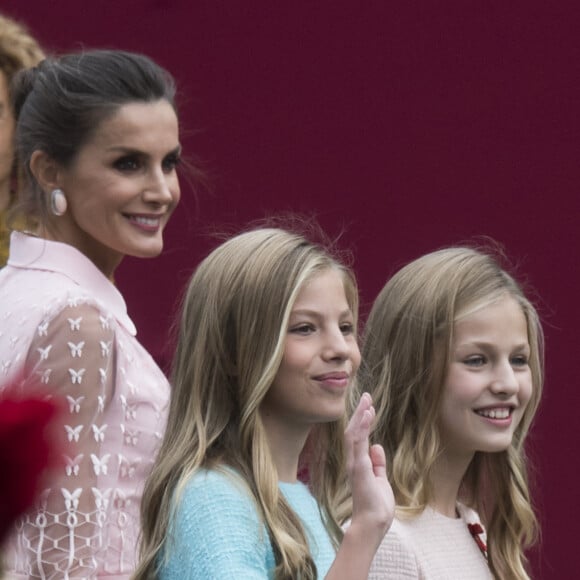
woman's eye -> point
(475, 361)
(171, 162)
(126, 164)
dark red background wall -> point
(405, 125)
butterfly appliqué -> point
(73, 464)
(105, 347)
(73, 433)
(44, 352)
(127, 469)
(130, 437)
(71, 500)
(102, 498)
(76, 377)
(44, 376)
(100, 463)
(76, 350)
(99, 433)
(75, 404)
(43, 328)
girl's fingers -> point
(358, 431)
(364, 405)
(379, 460)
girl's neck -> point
(4, 195)
(447, 476)
(286, 444)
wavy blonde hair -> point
(406, 353)
(230, 345)
(18, 49)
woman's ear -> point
(45, 171)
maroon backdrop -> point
(407, 125)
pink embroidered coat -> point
(67, 325)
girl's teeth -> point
(495, 413)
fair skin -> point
(320, 359)
(488, 387)
(121, 187)
(6, 136)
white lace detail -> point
(86, 523)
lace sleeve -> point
(73, 356)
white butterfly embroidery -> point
(75, 323)
(76, 376)
(126, 468)
(130, 410)
(103, 375)
(44, 376)
(72, 464)
(100, 464)
(121, 502)
(102, 498)
(104, 322)
(131, 437)
(76, 350)
(99, 433)
(73, 433)
(13, 341)
(71, 500)
(100, 403)
(105, 348)
(43, 328)
(75, 404)
(44, 352)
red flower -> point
(27, 450)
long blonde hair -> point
(230, 346)
(406, 351)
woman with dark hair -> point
(97, 135)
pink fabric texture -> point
(63, 323)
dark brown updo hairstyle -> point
(60, 104)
